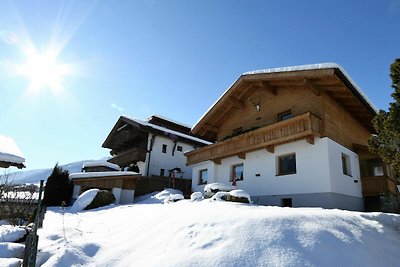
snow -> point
(84, 200)
(173, 198)
(9, 151)
(9, 233)
(11, 250)
(196, 196)
(169, 131)
(220, 196)
(101, 163)
(101, 174)
(10, 262)
(168, 119)
(205, 233)
(20, 195)
(240, 193)
(297, 68)
(217, 186)
(158, 197)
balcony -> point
(374, 186)
(305, 126)
(125, 158)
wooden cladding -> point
(304, 126)
(374, 186)
(133, 155)
(109, 182)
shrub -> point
(58, 189)
(103, 198)
(237, 199)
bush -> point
(103, 198)
(237, 199)
(58, 189)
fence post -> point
(32, 240)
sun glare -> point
(44, 71)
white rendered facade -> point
(157, 160)
(319, 179)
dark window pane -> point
(203, 176)
(287, 164)
(237, 172)
(164, 148)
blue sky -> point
(173, 58)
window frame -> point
(233, 172)
(279, 164)
(281, 116)
(346, 164)
(200, 180)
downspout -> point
(153, 137)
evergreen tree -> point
(386, 142)
(58, 189)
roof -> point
(100, 163)
(292, 72)
(10, 154)
(153, 128)
(169, 131)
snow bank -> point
(196, 196)
(84, 200)
(173, 198)
(11, 250)
(210, 188)
(219, 196)
(9, 233)
(10, 262)
(219, 234)
(240, 193)
(9, 151)
(157, 198)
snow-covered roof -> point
(100, 174)
(9, 151)
(166, 130)
(296, 68)
(170, 120)
(101, 163)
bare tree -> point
(17, 202)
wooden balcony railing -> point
(304, 126)
(373, 186)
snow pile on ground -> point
(84, 200)
(10, 262)
(173, 198)
(11, 250)
(196, 196)
(210, 188)
(158, 197)
(9, 233)
(9, 151)
(204, 233)
(240, 194)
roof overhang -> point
(328, 77)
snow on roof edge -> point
(101, 174)
(9, 151)
(328, 65)
(170, 120)
(164, 129)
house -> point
(294, 136)
(154, 147)
(10, 155)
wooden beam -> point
(236, 102)
(310, 85)
(270, 149)
(216, 161)
(241, 155)
(310, 139)
(267, 86)
(210, 128)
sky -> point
(69, 69)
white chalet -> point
(294, 136)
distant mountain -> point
(34, 176)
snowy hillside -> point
(34, 176)
(207, 233)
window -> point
(179, 148)
(237, 172)
(203, 176)
(285, 115)
(286, 202)
(162, 172)
(287, 164)
(371, 168)
(164, 148)
(346, 164)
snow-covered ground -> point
(206, 233)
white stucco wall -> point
(342, 183)
(318, 170)
(167, 161)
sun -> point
(44, 71)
